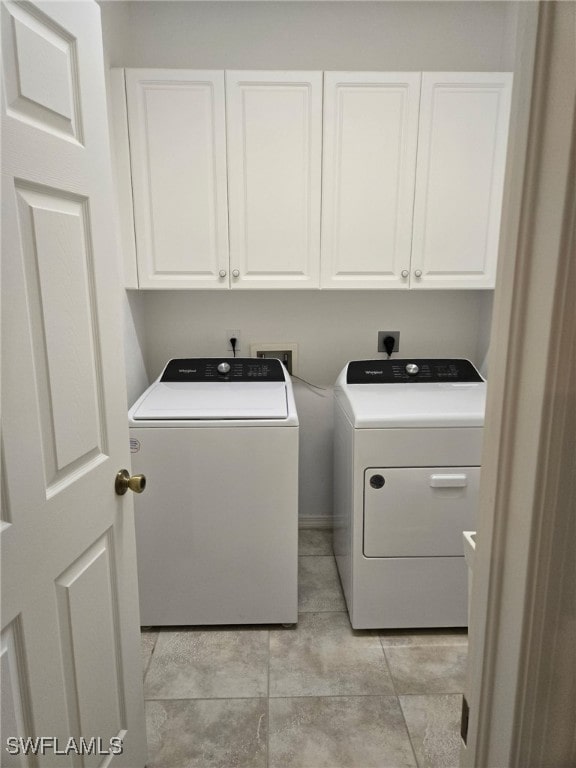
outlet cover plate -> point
(382, 335)
(267, 349)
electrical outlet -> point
(382, 335)
(233, 334)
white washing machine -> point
(408, 438)
(217, 527)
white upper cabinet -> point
(227, 168)
(459, 179)
(176, 122)
(369, 167)
(274, 126)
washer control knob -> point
(223, 368)
(411, 369)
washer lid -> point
(414, 405)
(178, 400)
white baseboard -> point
(319, 521)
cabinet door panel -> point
(274, 135)
(460, 178)
(369, 166)
(178, 150)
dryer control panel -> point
(224, 369)
(423, 371)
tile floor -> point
(319, 695)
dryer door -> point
(418, 511)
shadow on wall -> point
(315, 413)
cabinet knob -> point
(235, 273)
(222, 273)
(404, 273)
(417, 273)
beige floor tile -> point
(147, 642)
(225, 733)
(434, 727)
(318, 585)
(324, 656)
(399, 637)
(314, 541)
(338, 732)
(204, 664)
(428, 669)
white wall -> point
(135, 345)
(115, 23)
(329, 327)
(317, 35)
(484, 330)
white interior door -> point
(70, 647)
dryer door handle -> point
(448, 481)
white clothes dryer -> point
(408, 437)
(217, 527)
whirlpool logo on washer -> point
(374, 373)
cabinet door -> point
(274, 158)
(369, 166)
(176, 122)
(459, 178)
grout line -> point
(339, 696)
(212, 698)
(147, 667)
(398, 700)
(314, 696)
(316, 554)
(320, 610)
(395, 647)
(268, 706)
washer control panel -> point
(419, 370)
(216, 369)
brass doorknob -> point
(136, 483)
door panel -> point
(178, 151)
(64, 337)
(88, 623)
(15, 706)
(45, 96)
(274, 124)
(419, 512)
(369, 168)
(460, 178)
(70, 638)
